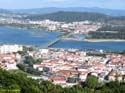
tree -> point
(29, 60)
(91, 82)
(107, 91)
(21, 67)
(72, 80)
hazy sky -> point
(22, 4)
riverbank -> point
(73, 39)
(95, 40)
(104, 40)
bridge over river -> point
(64, 35)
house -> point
(83, 75)
(58, 80)
(111, 76)
(114, 75)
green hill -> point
(11, 82)
(70, 16)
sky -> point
(27, 4)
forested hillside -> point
(70, 16)
(19, 83)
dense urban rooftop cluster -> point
(69, 67)
(73, 27)
(9, 56)
(66, 67)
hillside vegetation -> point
(78, 16)
(70, 16)
(19, 83)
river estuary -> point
(40, 38)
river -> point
(40, 38)
(26, 37)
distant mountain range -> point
(110, 12)
(75, 14)
(70, 14)
(5, 11)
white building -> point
(52, 27)
(11, 66)
(44, 51)
(4, 49)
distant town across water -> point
(41, 38)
